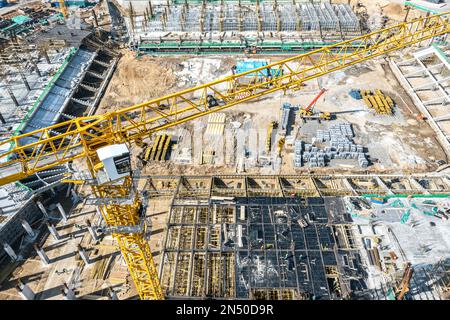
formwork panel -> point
(252, 247)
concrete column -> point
(13, 97)
(53, 231)
(25, 81)
(113, 295)
(62, 211)
(10, 252)
(83, 255)
(28, 228)
(41, 253)
(25, 291)
(91, 230)
(68, 293)
(42, 208)
(75, 197)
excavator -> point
(308, 112)
(101, 143)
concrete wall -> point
(13, 231)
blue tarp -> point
(355, 94)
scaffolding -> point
(269, 17)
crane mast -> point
(119, 203)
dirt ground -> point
(138, 79)
(395, 143)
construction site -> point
(237, 150)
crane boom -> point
(311, 104)
(45, 148)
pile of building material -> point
(182, 150)
(340, 146)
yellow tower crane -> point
(104, 140)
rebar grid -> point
(232, 17)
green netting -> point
(20, 19)
(355, 215)
(10, 27)
(282, 47)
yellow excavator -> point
(104, 141)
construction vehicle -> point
(403, 288)
(104, 140)
(308, 112)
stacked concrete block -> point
(298, 149)
(341, 146)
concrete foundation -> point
(41, 253)
(25, 291)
